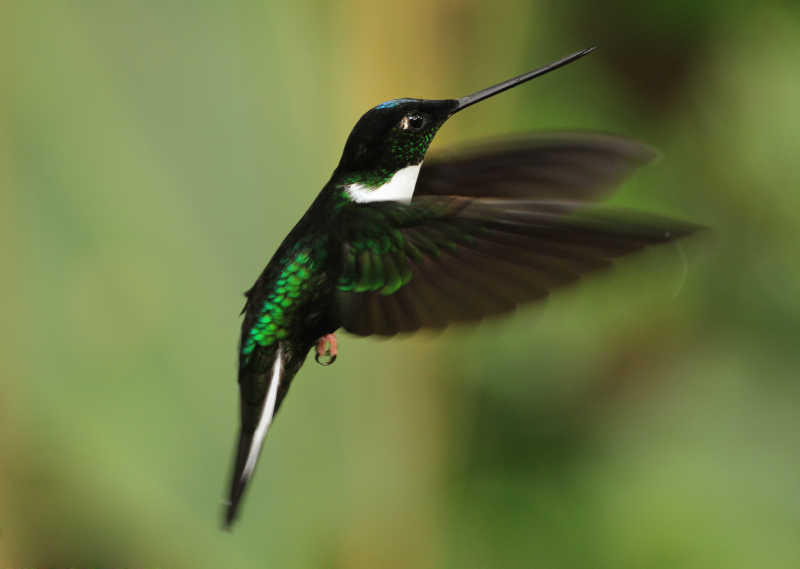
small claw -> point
(320, 361)
(326, 346)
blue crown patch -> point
(393, 103)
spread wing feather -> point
(446, 259)
(571, 166)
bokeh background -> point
(152, 156)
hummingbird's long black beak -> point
(465, 102)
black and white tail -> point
(258, 408)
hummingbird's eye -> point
(412, 122)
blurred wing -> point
(570, 166)
(443, 259)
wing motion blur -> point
(489, 230)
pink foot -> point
(326, 347)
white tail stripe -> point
(267, 413)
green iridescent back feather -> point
(298, 275)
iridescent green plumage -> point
(298, 277)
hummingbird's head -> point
(387, 141)
(384, 152)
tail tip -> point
(229, 515)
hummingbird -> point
(391, 246)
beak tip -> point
(469, 100)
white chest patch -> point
(399, 188)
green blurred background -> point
(152, 156)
